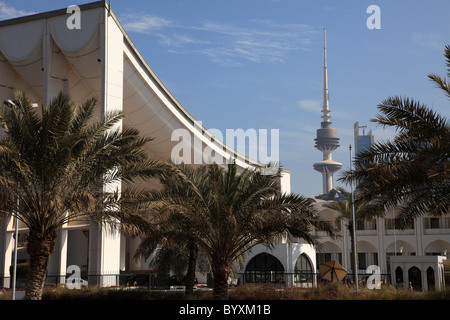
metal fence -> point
(144, 279)
(297, 279)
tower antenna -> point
(326, 140)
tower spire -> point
(326, 99)
(327, 140)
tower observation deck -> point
(326, 140)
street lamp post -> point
(354, 226)
(16, 240)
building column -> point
(423, 273)
(105, 244)
(55, 69)
(346, 248)
(405, 270)
(290, 262)
(381, 245)
(418, 224)
(133, 244)
(58, 260)
(7, 248)
(123, 253)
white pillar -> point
(405, 269)
(58, 260)
(289, 263)
(132, 246)
(123, 251)
(418, 231)
(7, 248)
(423, 273)
(55, 69)
(381, 246)
(105, 245)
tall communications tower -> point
(327, 140)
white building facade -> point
(46, 53)
(380, 242)
(42, 55)
(419, 250)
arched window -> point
(415, 278)
(303, 270)
(399, 276)
(430, 279)
(303, 264)
(264, 268)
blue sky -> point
(258, 64)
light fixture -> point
(10, 104)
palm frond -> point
(412, 171)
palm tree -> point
(174, 258)
(168, 260)
(228, 212)
(56, 162)
(363, 210)
(411, 172)
(169, 236)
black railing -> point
(299, 279)
(146, 280)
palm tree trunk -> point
(192, 264)
(39, 247)
(220, 275)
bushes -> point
(108, 294)
(330, 291)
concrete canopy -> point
(42, 55)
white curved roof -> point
(40, 55)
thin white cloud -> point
(310, 105)
(8, 12)
(176, 40)
(432, 41)
(145, 23)
(258, 41)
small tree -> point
(169, 234)
(226, 213)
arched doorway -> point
(415, 278)
(303, 271)
(264, 268)
(399, 276)
(430, 279)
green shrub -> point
(327, 291)
(5, 296)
